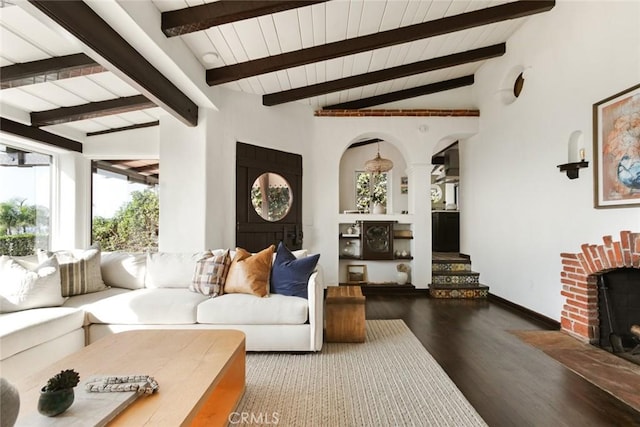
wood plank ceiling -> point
(327, 54)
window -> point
(125, 209)
(25, 200)
(370, 189)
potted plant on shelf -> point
(403, 273)
(378, 200)
(57, 395)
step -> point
(438, 266)
(455, 278)
(463, 292)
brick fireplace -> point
(579, 278)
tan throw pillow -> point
(210, 274)
(249, 274)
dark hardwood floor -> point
(509, 382)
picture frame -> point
(404, 185)
(616, 150)
(356, 274)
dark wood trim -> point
(490, 15)
(404, 94)
(197, 18)
(365, 142)
(47, 70)
(90, 110)
(39, 135)
(550, 323)
(384, 75)
(124, 128)
(88, 27)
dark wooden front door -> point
(253, 232)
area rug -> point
(611, 373)
(390, 380)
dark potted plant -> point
(57, 395)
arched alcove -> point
(353, 160)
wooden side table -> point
(345, 314)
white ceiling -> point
(24, 38)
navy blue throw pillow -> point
(290, 275)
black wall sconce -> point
(572, 169)
(576, 150)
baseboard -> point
(547, 321)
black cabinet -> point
(377, 240)
(445, 227)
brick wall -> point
(397, 113)
(579, 277)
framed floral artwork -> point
(616, 150)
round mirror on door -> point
(271, 196)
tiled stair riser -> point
(453, 280)
(450, 266)
(474, 293)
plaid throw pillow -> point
(210, 274)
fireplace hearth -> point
(619, 313)
(601, 287)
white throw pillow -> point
(22, 288)
(171, 270)
(124, 269)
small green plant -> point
(65, 379)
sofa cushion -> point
(146, 306)
(171, 270)
(290, 275)
(124, 269)
(79, 270)
(243, 309)
(249, 273)
(210, 274)
(22, 330)
(22, 288)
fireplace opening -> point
(619, 313)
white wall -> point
(333, 135)
(519, 211)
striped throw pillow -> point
(79, 270)
(210, 274)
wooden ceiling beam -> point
(490, 15)
(384, 75)
(131, 175)
(403, 94)
(197, 18)
(87, 26)
(47, 70)
(90, 110)
(39, 135)
(123, 128)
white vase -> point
(402, 277)
(378, 208)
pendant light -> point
(378, 164)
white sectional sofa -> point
(151, 292)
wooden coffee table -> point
(201, 377)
